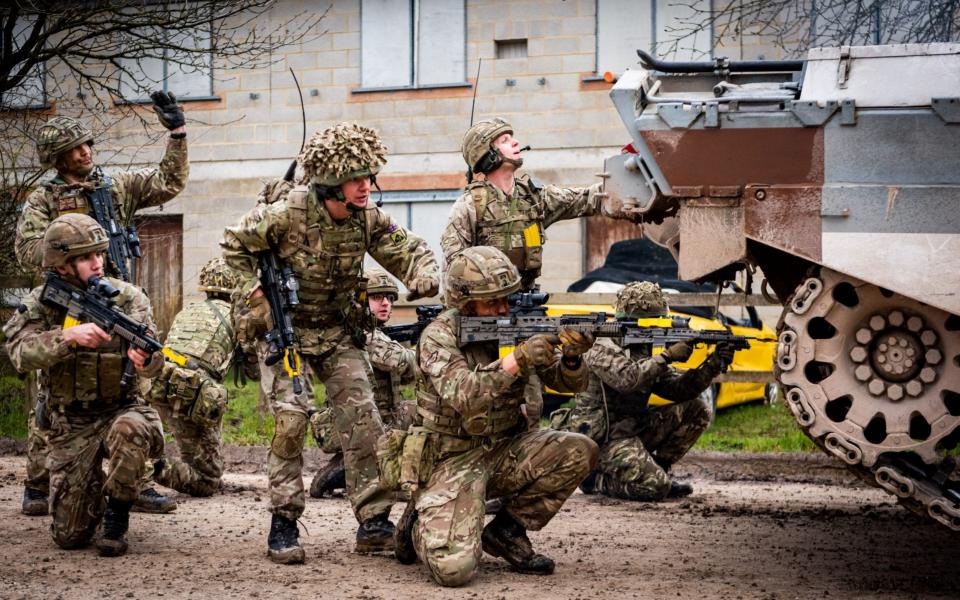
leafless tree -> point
(794, 26)
(89, 58)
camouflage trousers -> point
(635, 467)
(38, 477)
(347, 376)
(534, 471)
(126, 437)
(198, 470)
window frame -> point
(414, 54)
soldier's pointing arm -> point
(560, 204)
(403, 253)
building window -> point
(189, 77)
(31, 92)
(412, 43)
(623, 26)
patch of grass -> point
(755, 428)
(13, 408)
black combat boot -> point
(330, 478)
(505, 538)
(403, 538)
(375, 535)
(283, 543)
(152, 501)
(35, 503)
(679, 489)
(589, 483)
(116, 519)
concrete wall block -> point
(304, 60)
(510, 103)
(570, 232)
(225, 81)
(353, 58)
(562, 45)
(544, 102)
(579, 26)
(579, 63)
(349, 77)
(315, 77)
(254, 80)
(545, 27)
(509, 67)
(545, 65)
(334, 94)
(332, 60)
(410, 108)
(378, 110)
(395, 128)
(346, 41)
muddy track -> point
(758, 526)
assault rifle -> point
(280, 288)
(410, 332)
(96, 305)
(124, 241)
(660, 331)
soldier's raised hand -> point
(678, 352)
(423, 287)
(540, 350)
(575, 343)
(168, 111)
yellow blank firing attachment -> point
(69, 322)
(291, 362)
(178, 358)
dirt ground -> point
(758, 526)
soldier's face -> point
(509, 147)
(356, 191)
(498, 307)
(76, 161)
(82, 267)
(381, 305)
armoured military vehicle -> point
(839, 177)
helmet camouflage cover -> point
(480, 273)
(479, 138)
(218, 278)
(341, 153)
(72, 235)
(58, 135)
(641, 299)
(379, 282)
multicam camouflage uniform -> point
(326, 257)
(638, 443)
(130, 191)
(90, 418)
(192, 401)
(486, 216)
(475, 439)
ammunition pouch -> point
(190, 391)
(210, 405)
(390, 458)
(417, 458)
(86, 378)
(324, 433)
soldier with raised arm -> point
(322, 231)
(511, 212)
(88, 414)
(66, 144)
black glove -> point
(168, 111)
(677, 352)
(723, 354)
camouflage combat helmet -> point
(479, 139)
(72, 235)
(218, 278)
(58, 135)
(379, 282)
(641, 299)
(341, 153)
(480, 273)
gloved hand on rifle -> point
(678, 352)
(722, 356)
(168, 111)
(538, 351)
(574, 343)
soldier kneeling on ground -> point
(88, 414)
(639, 443)
(471, 440)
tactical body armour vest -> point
(203, 331)
(514, 226)
(501, 416)
(326, 257)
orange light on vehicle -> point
(609, 77)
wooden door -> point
(603, 232)
(160, 271)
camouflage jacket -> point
(622, 380)
(485, 216)
(326, 257)
(131, 191)
(464, 391)
(74, 377)
(393, 365)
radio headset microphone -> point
(525, 148)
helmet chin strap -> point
(516, 162)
